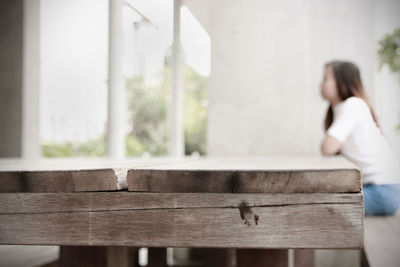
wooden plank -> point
(242, 175)
(382, 239)
(11, 203)
(58, 181)
(241, 226)
(248, 175)
(71, 175)
(177, 181)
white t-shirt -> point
(363, 143)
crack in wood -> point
(182, 208)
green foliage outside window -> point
(91, 148)
(196, 112)
(147, 109)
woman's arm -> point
(330, 146)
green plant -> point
(389, 51)
(389, 54)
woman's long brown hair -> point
(348, 82)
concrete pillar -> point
(31, 80)
(19, 78)
(176, 135)
(11, 46)
(116, 88)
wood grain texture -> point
(213, 175)
(58, 181)
(70, 175)
(249, 175)
(195, 224)
(291, 181)
(382, 239)
(12, 203)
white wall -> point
(387, 87)
(256, 74)
(267, 61)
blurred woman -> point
(352, 130)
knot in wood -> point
(246, 213)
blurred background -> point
(233, 78)
(168, 78)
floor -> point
(27, 256)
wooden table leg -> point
(157, 257)
(83, 256)
(87, 256)
(122, 256)
(262, 257)
(218, 257)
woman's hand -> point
(330, 146)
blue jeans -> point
(381, 199)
